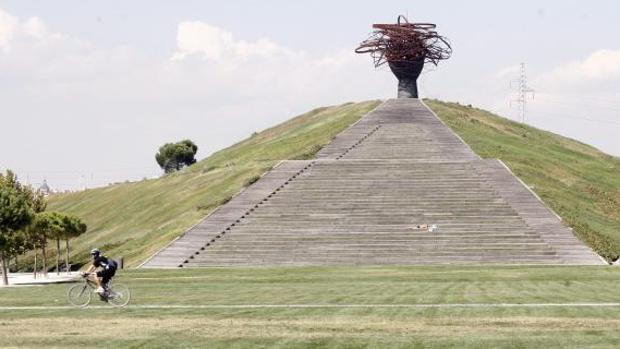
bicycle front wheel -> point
(119, 295)
(79, 295)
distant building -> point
(45, 189)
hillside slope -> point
(580, 183)
(134, 220)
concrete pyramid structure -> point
(398, 187)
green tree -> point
(34, 240)
(38, 203)
(15, 214)
(18, 245)
(174, 156)
(58, 234)
(46, 225)
(72, 227)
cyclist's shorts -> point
(106, 274)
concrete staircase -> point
(361, 202)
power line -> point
(600, 121)
(602, 99)
(523, 91)
(573, 103)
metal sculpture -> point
(405, 47)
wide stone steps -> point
(362, 199)
(373, 259)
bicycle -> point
(117, 295)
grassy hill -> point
(135, 220)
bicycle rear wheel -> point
(79, 295)
(119, 295)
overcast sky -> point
(90, 89)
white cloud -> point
(14, 31)
(263, 69)
(8, 25)
(34, 27)
(507, 73)
(601, 65)
(218, 44)
(599, 69)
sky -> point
(90, 89)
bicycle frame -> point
(90, 285)
(81, 294)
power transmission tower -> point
(523, 91)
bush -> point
(251, 181)
(310, 153)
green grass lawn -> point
(349, 325)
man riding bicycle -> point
(104, 274)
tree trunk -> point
(34, 270)
(5, 273)
(44, 255)
(67, 256)
(57, 256)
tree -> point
(73, 227)
(15, 214)
(38, 204)
(57, 226)
(34, 240)
(46, 225)
(174, 156)
(58, 234)
(37, 200)
(18, 244)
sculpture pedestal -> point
(407, 73)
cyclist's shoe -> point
(100, 290)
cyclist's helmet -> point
(95, 252)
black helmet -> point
(95, 252)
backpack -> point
(111, 263)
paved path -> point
(27, 279)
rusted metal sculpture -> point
(405, 47)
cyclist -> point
(104, 275)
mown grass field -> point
(134, 220)
(371, 307)
(580, 183)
